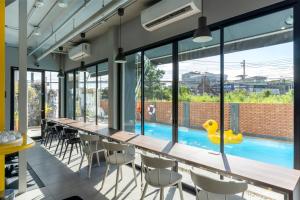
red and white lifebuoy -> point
(151, 110)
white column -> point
(22, 89)
(113, 80)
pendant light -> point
(202, 33)
(62, 3)
(37, 31)
(61, 72)
(82, 63)
(120, 58)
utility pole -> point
(243, 64)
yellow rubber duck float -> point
(211, 126)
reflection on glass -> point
(259, 89)
(199, 91)
(70, 95)
(158, 92)
(91, 94)
(132, 94)
(102, 94)
(34, 92)
(51, 94)
(79, 99)
(16, 100)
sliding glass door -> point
(102, 94)
(90, 91)
(42, 102)
(199, 90)
(259, 89)
(158, 70)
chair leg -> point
(117, 178)
(105, 175)
(65, 151)
(82, 158)
(180, 190)
(76, 148)
(50, 141)
(46, 139)
(80, 149)
(70, 153)
(161, 193)
(90, 164)
(121, 173)
(98, 160)
(134, 173)
(57, 146)
(61, 148)
(144, 191)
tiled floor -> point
(63, 180)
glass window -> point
(158, 92)
(102, 94)
(70, 95)
(199, 92)
(34, 106)
(51, 94)
(259, 89)
(91, 94)
(132, 94)
(79, 99)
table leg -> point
(2, 175)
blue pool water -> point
(265, 150)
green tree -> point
(153, 87)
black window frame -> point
(74, 71)
(294, 4)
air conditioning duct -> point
(79, 52)
(168, 11)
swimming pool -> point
(265, 150)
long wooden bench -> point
(280, 179)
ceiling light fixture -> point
(202, 33)
(120, 58)
(37, 31)
(39, 3)
(62, 3)
(289, 20)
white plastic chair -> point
(212, 189)
(157, 175)
(118, 154)
(90, 146)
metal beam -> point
(22, 90)
(102, 14)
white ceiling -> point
(51, 16)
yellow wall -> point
(2, 65)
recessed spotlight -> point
(36, 31)
(63, 3)
(289, 20)
(39, 3)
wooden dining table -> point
(279, 179)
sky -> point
(274, 62)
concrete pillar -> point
(128, 94)
(22, 89)
(113, 79)
(186, 114)
(234, 117)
